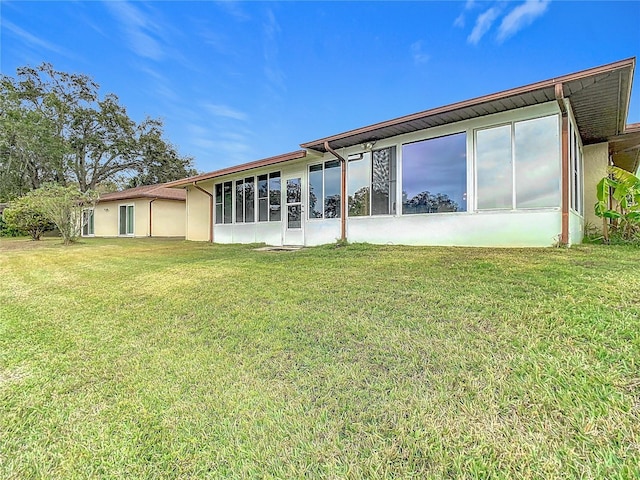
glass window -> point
(227, 199)
(324, 190)
(294, 203)
(87, 222)
(383, 182)
(239, 201)
(315, 191)
(249, 199)
(294, 218)
(332, 189)
(537, 163)
(129, 219)
(358, 185)
(494, 168)
(244, 200)
(274, 197)
(263, 198)
(125, 220)
(527, 151)
(218, 195)
(575, 158)
(434, 175)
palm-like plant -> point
(619, 203)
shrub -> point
(25, 216)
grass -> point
(168, 359)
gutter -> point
(343, 190)
(210, 209)
(151, 216)
(564, 168)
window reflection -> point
(537, 163)
(332, 189)
(315, 191)
(534, 162)
(358, 186)
(294, 217)
(324, 190)
(434, 175)
(493, 167)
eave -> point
(265, 162)
(599, 99)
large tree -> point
(54, 126)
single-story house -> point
(514, 168)
(147, 211)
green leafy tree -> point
(54, 126)
(63, 206)
(25, 214)
(619, 204)
(162, 162)
(28, 143)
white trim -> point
(89, 234)
(133, 219)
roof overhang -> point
(625, 149)
(599, 98)
(265, 162)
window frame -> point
(130, 219)
(91, 230)
(451, 133)
(220, 204)
(512, 125)
(322, 199)
(576, 202)
(392, 181)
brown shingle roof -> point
(146, 191)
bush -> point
(24, 215)
(63, 206)
(7, 231)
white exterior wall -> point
(521, 228)
(576, 228)
(499, 229)
(270, 233)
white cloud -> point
(142, 32)
(419, 57)
(225, 111)
(32, 39)
(520, 17)
(461, 19)
(233, 9)
(483, 24)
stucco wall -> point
(168, 218)
(596, 159)
(105, 219)
(197, 225)
(141, 217)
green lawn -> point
(167, 359)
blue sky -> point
(240, 81)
